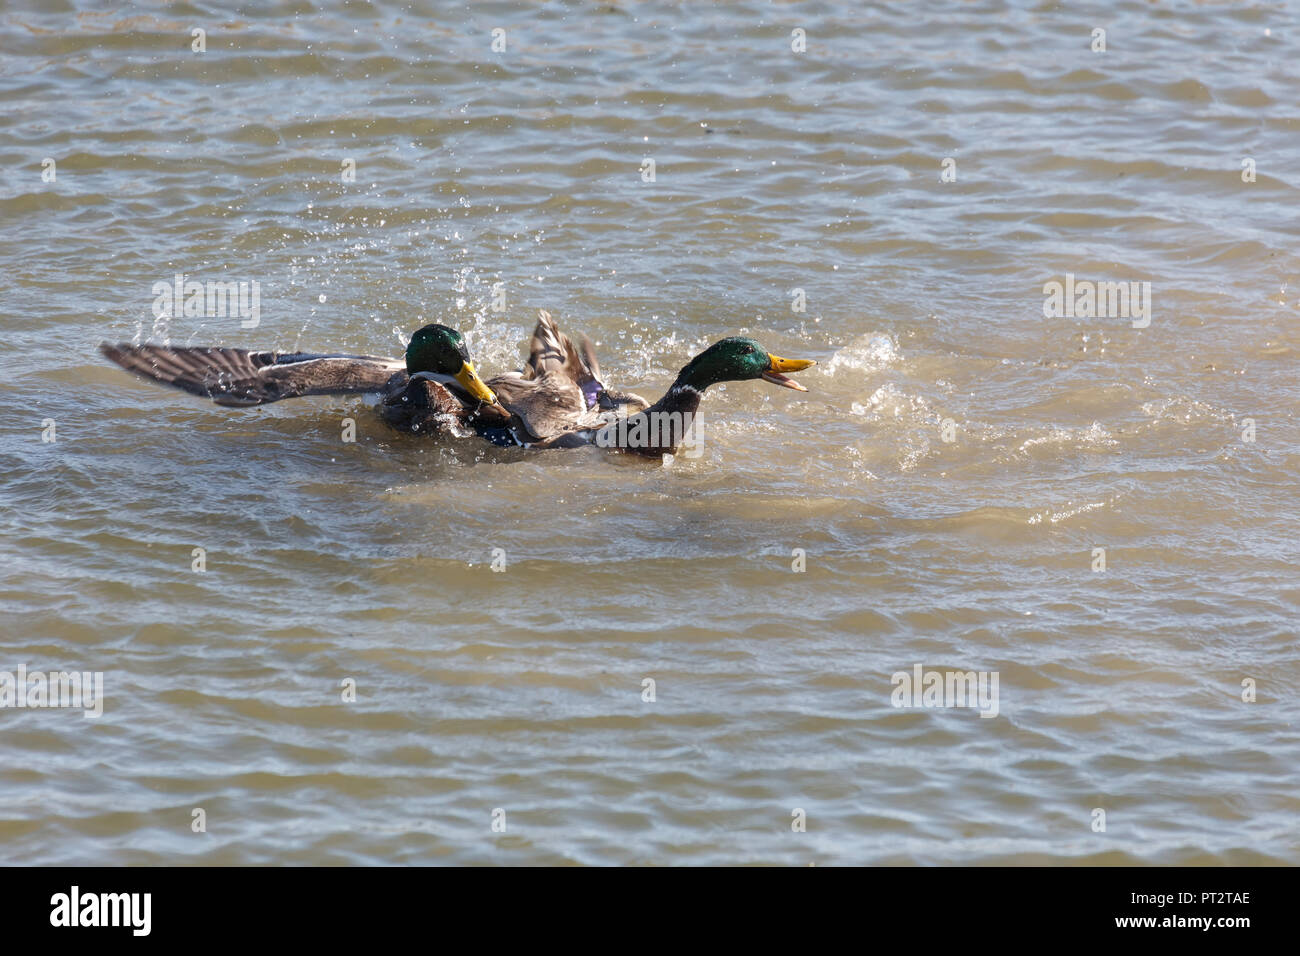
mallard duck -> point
(562, 409)
(434, 390)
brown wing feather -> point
(588, 352)
(550, 396)
(238, 377)
(547, 406)
(548, 350)
(551, 351)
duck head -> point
(439, 352)
(740, 359)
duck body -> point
(425, 406)
(658, 430)
(558, 395)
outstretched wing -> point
(238, 377)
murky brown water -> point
(1119, 690)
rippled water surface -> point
(522, 691)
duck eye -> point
(748, 350)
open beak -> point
(777, 365)
(470, 382)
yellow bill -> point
(777, 365)
(470, 382)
